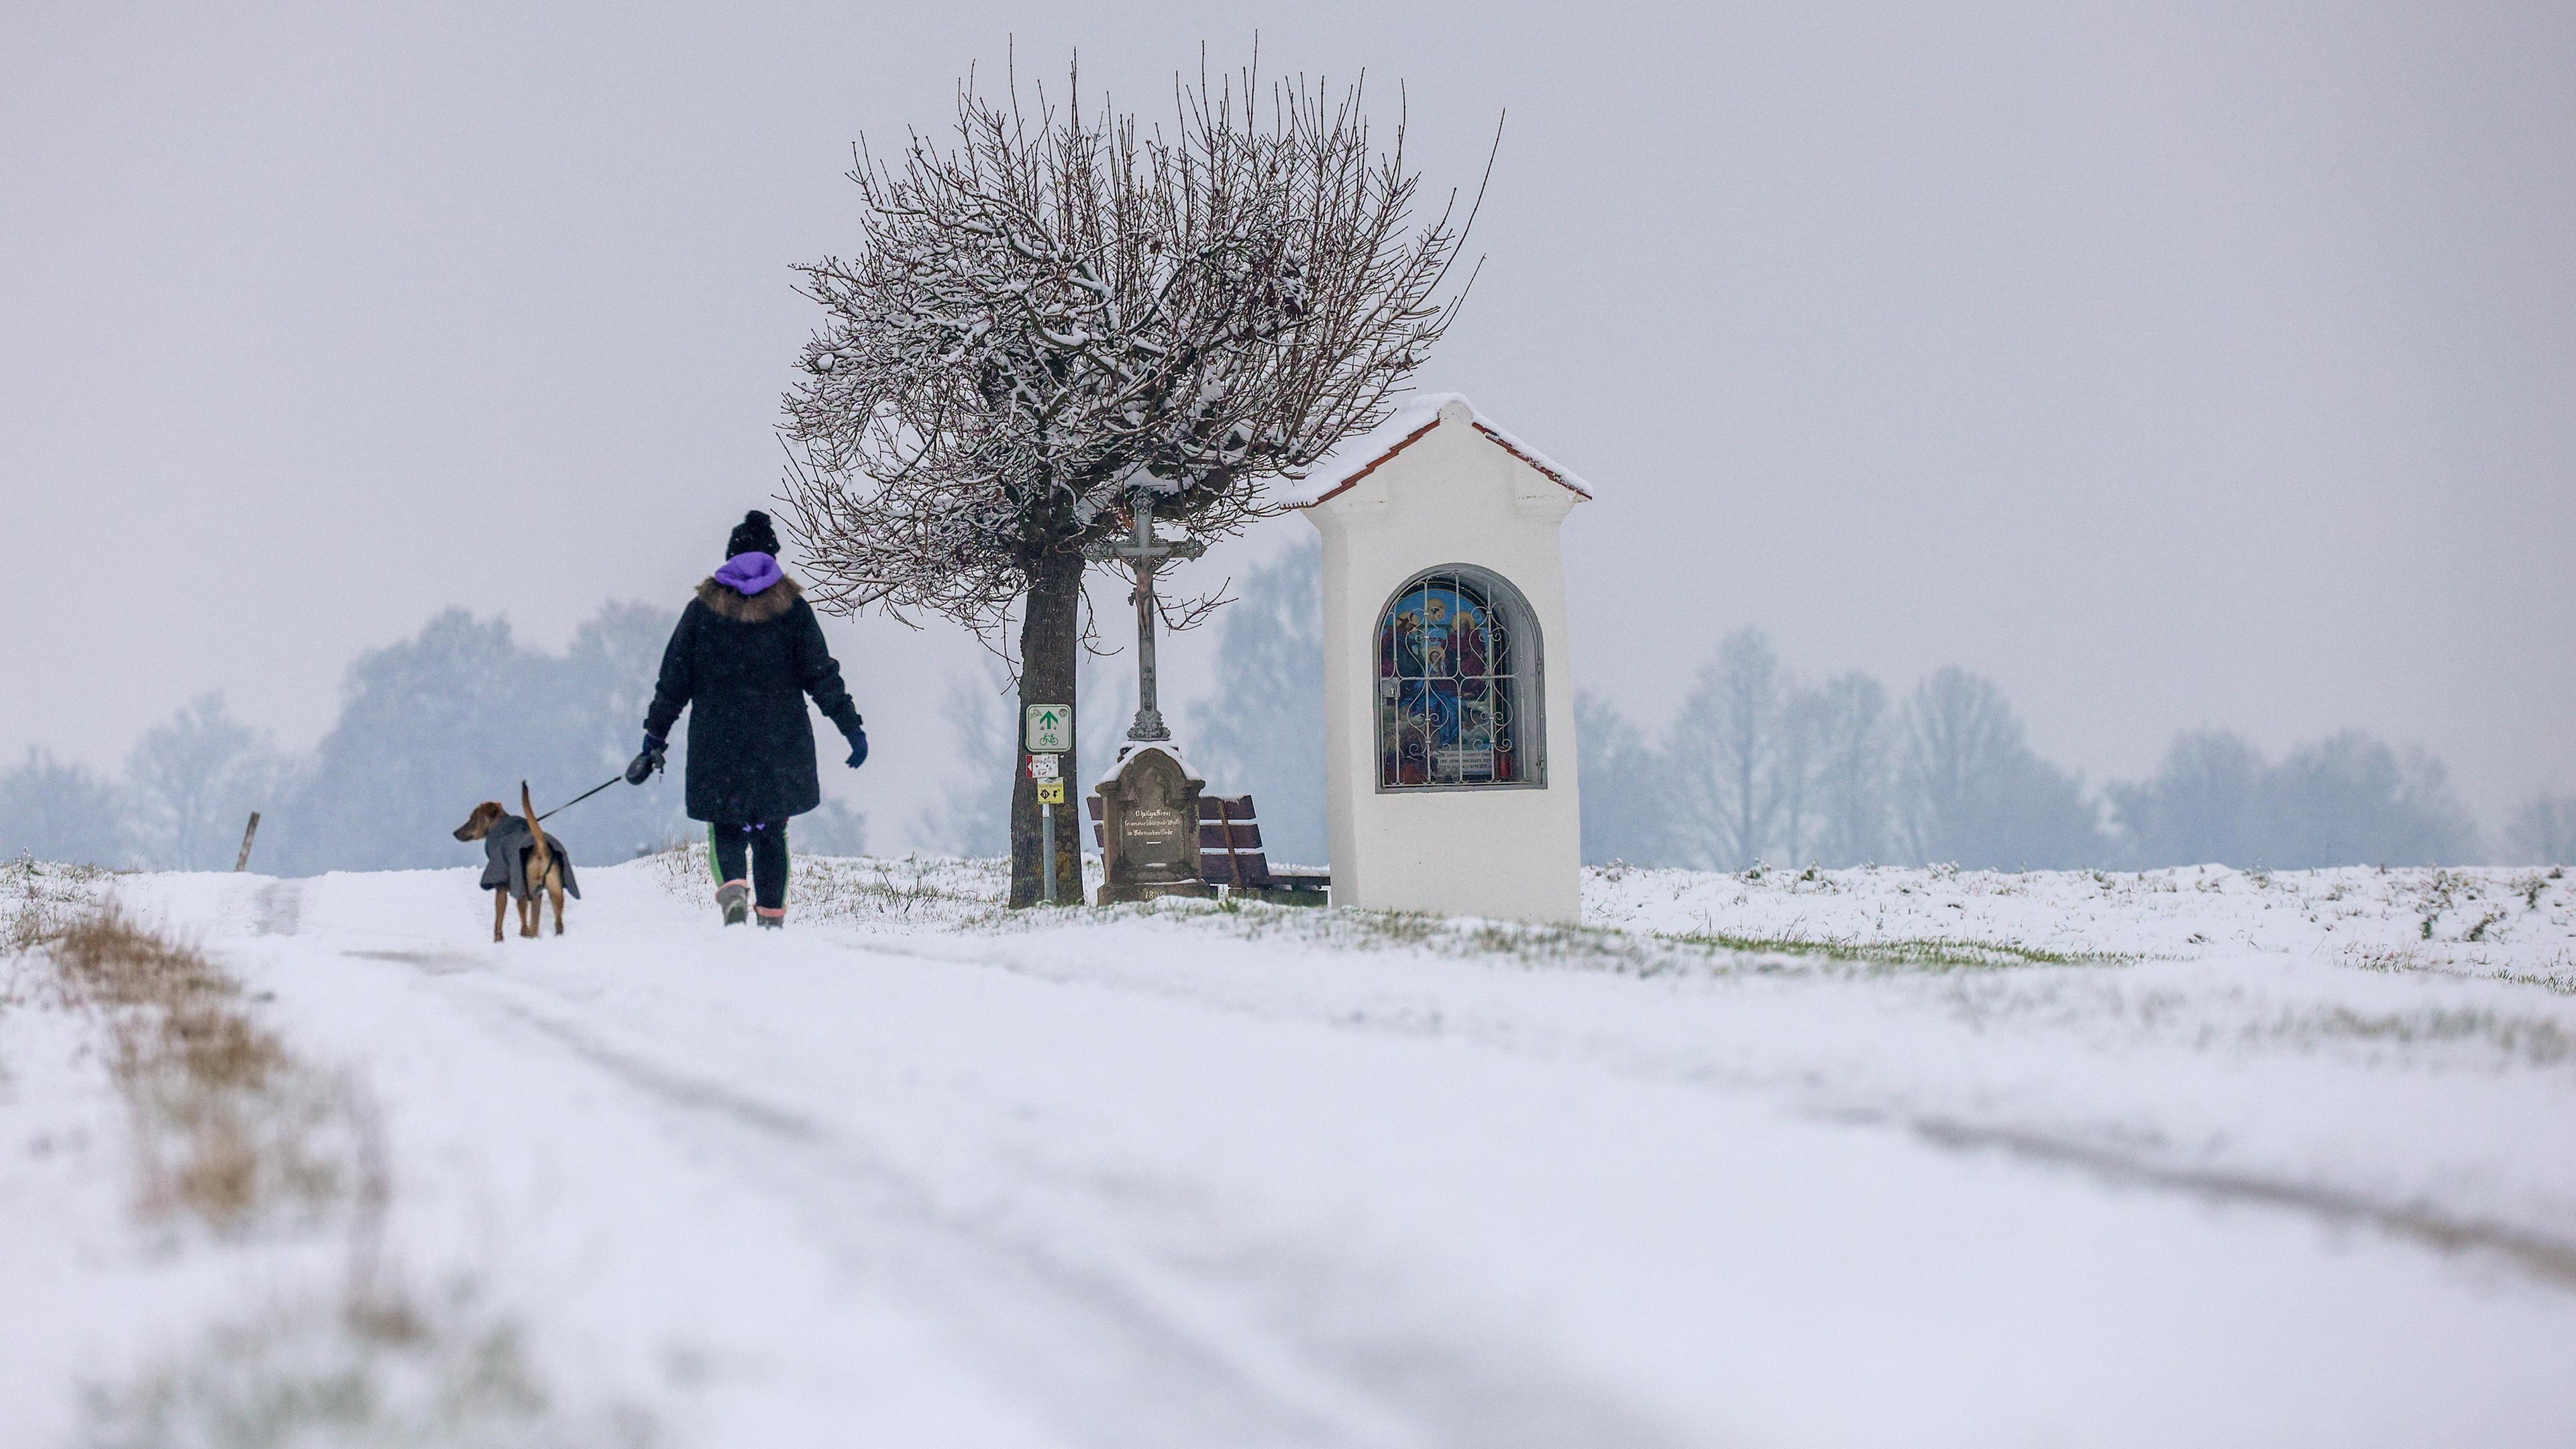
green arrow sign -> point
(1050, 729)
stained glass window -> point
(1457, 684)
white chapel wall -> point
(1452, 497)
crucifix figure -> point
(1145, 553)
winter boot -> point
(734, 898)
(771, 920)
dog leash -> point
(584, 795)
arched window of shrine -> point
(1458, 702)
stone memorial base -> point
(1149, 816)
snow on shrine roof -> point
(1414, 417)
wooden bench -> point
(1230, 854)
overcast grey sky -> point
(2169, 362)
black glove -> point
(857, 735)
(642, 767)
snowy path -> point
(1132, 1185)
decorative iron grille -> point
(1457, 696)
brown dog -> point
(539, 863)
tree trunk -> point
(1050, 642)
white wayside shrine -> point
(1448, 698)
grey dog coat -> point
(505, 858)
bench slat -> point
(1217, 868)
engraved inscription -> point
(1150, 829)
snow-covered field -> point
(1890, 1157)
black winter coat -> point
(744, 666)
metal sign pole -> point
(1046, 730)
(1046, 852)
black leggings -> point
(765, 841)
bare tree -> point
(2203, 804)
(1973, 792)
(2351, 799)
(192, 779)
(1627, 788)
(1724, 750)
(2348, 799)
(1852, 796)
(964, 819)
(1271, 650)
(60, 812)
(1797, 764)
(1058, 316)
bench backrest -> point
(1229, 840)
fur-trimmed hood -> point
(743, 668)
(758, 608)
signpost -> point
(1050, 729)
(1048, 732)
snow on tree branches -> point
(1054, 317)
(1055, 311)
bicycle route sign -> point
(1050, 729)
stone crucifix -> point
(1146, 553)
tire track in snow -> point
(1118, 1352)
(2550, 1260)
(2547, 1259)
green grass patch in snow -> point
(1927, 953)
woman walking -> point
(747, 651)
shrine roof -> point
(1412, 418)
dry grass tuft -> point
(169, 1006)
(456, 1375)
(227, 1125)
(38, 899)
(232, 1131)
(116, 962)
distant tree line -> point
(1764, 766)
(1771, 767)
(427, 727)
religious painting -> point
(1451, 683)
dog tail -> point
(538, 864)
